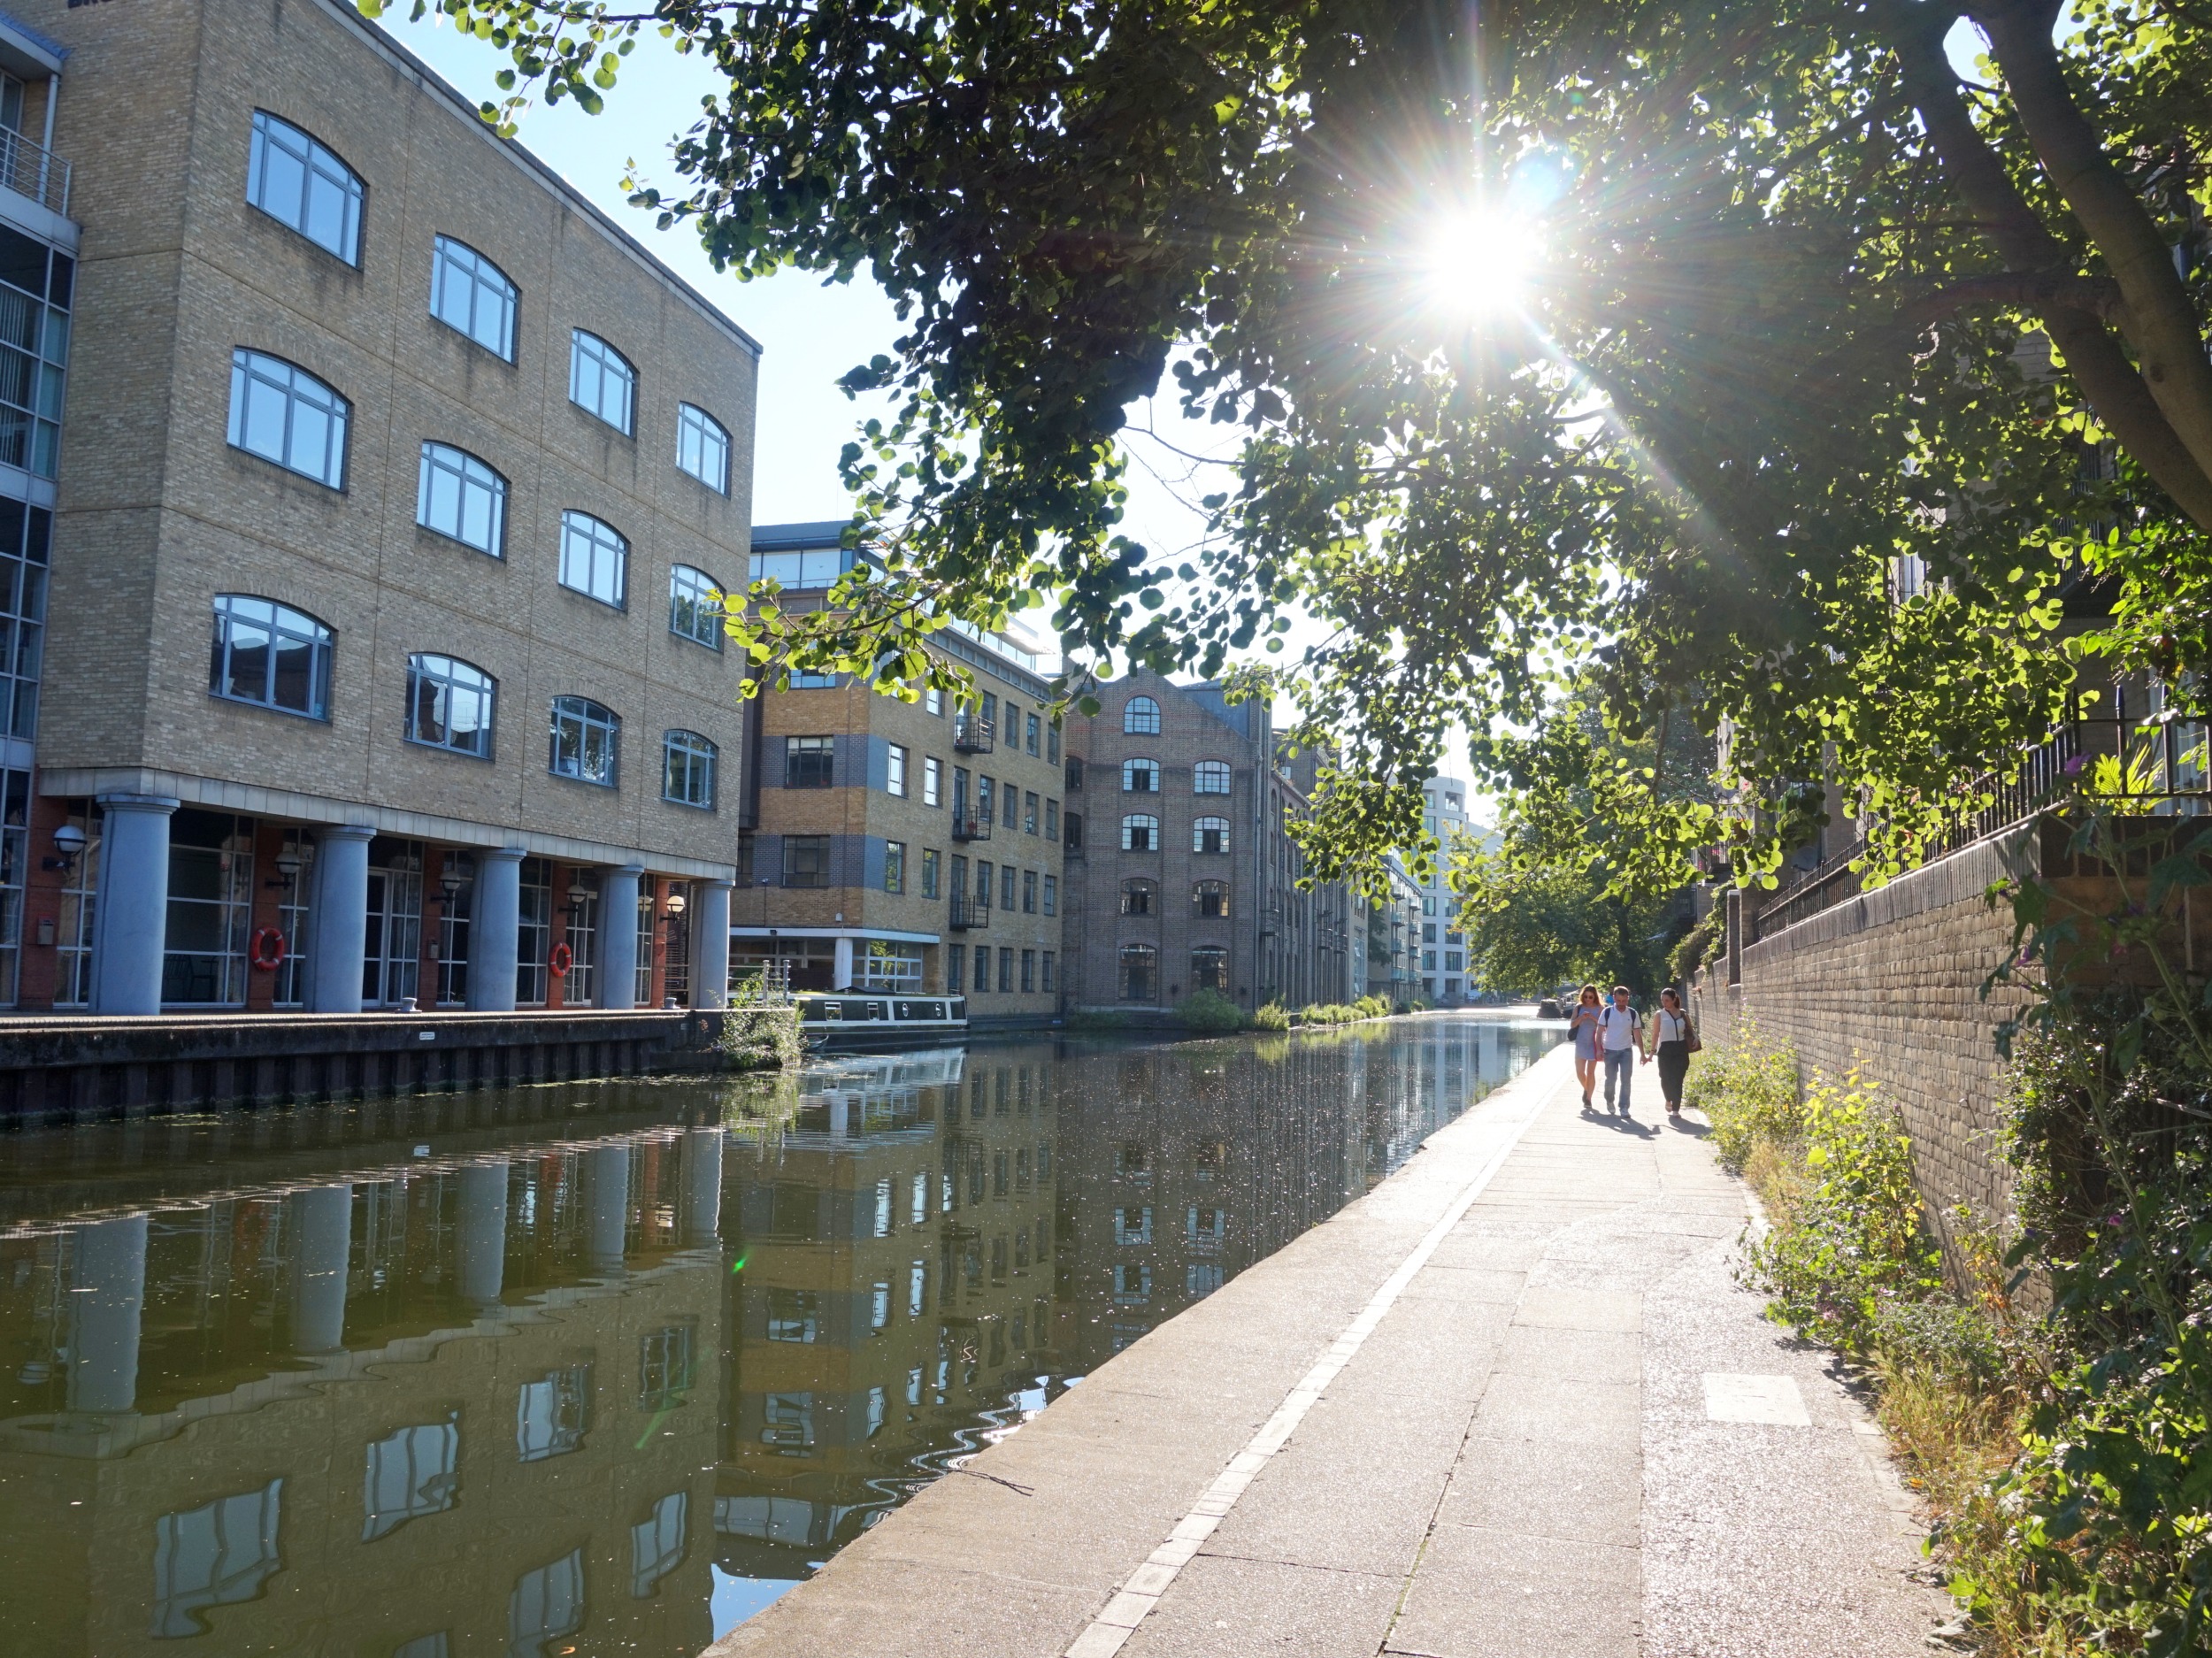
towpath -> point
(1511, 1403)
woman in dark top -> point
(1671, 1036)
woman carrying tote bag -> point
(1673, 1039)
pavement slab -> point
(1511, 1404)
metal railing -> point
(29, 168)
(972, 735)
(968, 915)
(972, 828)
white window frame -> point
(449, 677)
(588, 718)
(686, 758)
(694, 607)
(1131, 822)
(895, 770)
(702, 446)
(932, 780)
(1211, 770)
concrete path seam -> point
(1109, 1631)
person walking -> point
(1621, 1029)
(1582, 1024)
(1673, 1039)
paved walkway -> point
(1511, 1403)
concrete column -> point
(841, 974)
(617, 936)
(108, 1281)
(710, 944)
(324, 1221)
(483, 1232)
(496, 931)
(131, 922)
(342, 918)
(607, 1196)
(702, 1186)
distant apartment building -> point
(1182, 876)
(1443, 977)
(904, 846)
(369, 549)
(1389, 926)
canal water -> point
(605, 1369)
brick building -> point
(903, 845)
(390, 483)
(1180, 875)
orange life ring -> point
(268, 949)
(562, 959)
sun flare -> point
(1475, 262)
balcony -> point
(972, 828)
(29, 169)
(969, 915)
(971, 735)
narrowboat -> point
(875, 1018)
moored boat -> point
(875, 1018)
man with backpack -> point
(1621, 1032)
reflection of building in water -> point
(895, 1293)
(445, 1410)
(1186, 1166)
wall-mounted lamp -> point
(288, 865)
(449, 883)
(70, 841)
(675, 904)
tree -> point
(1801, 309)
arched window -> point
(601, 381)
(269, 654)
(1140, 972)
(702, 447)
(284, 414)
(460, 496)
(451, 704)
(587, 742)
(1209, 900)
(1139, 833)
(695, 606)
(1139, 777)
(1209, 968)
(1209, 776)
(1136, 898)
(301, 183)
(595, 559)
(471, 294)
(1140, 717)
(687, 763)
(1209, 834)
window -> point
(1139, 833)
(657, 1545)
(1452, 961)
(1029, 986)
(688, 763)
(1209, 834)
(1030, 730)
(1029, 892)
(1139, 777)
(287, 416)
(930, 879)
(695, 606)
(219, 1553)
(985, 800)
(794, 1315)
(1428, 933)
(472, 294)
(1132, 1282)
(546, 1604)
(1047, 985)
(1010, 799)
(1006, 970)
(269, 654)
(411, 1473)
(894, 771)
(702, 446)
(982, 967)
(1138, 972)
(1071, 832)
(788, 1420)
(809, 762)
(553, 1415)
(1006, 888)
(449, 705)
(1136, 898)
(303, 184)
(894, 866)
(1209, 968)
(1209, 900)
(933, 782)
(806, 860)
(595, 559)
(534, 933)
(1029, 814)
(1141, 717)
(586, 741)
(34, 351)
(1209, 776)
(983, 883)
(1052, 744)
(460, 497)
(601, 381)
(1052, 820)
(1052, 895)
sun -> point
(1475, 262)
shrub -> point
(1097, 1021)
(1210, 1010)
(1747, 1090)
(1270, 1017)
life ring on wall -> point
(562, 959)
(268, 949)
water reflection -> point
(605, 1369)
